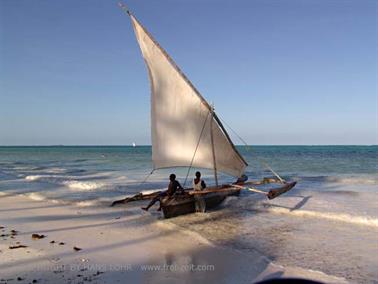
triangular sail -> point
(181, 119)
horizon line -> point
(149, 145)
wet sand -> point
(113, 245)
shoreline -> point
(118, 244)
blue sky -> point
(278, 72)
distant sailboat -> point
(134, 145)
(186, 131)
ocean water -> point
(328, 222)
(100, 173)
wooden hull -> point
(185, 204)
(212, 197)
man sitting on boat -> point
(198, 185)
(173, 186)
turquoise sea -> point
(328, 222)
(82, 173)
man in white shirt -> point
(198, 185)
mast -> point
(212, 146)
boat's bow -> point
(273, 193)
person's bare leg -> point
(153, 201)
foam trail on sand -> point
(346, 218)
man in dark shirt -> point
(173, 186)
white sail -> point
(182, 121)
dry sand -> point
(118, 246)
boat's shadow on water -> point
(298, 206)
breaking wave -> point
(54, 170)
(84, 185)
(87, 203)
(339, 217)
(35, 196)
(65, 181)
(342, 180)
(34, 177)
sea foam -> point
(35, 196)
(82, 185)
(34, 177)
(69, 182)
(339, 217)
(341, 180)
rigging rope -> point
(195, 151)
(263, 163)
(145, 179)
(191, 163)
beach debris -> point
(37, 236)
(52, 242)
(55, 260)
(75, 248)
(2, 227)
(62, 244)
(60, 269)
(4, 235)
(20, 279)
(17, 246)
(14, 232)
(118, 218)
(35, 281)
(98, 273)
(84, 260)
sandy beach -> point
(118, 245)
(253, 123)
